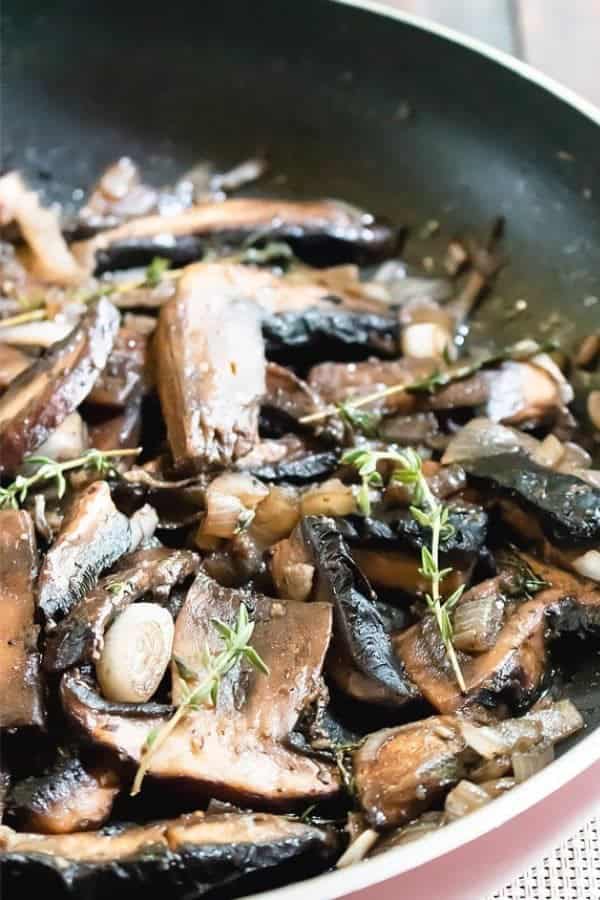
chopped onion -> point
(482, 438)
(485, 740)
(491, 769)
(544, 361)
(527, 762)
(331, 498)
(291, 570)
(68, 441)
(358, 849)
(524, 732)
(428, 822)
(465, 798)
(521, 391)
(498, 786)
(249, 490)
(225, 515)
(550, 724)
(593, 408)
(549, 452)
(575, 457)
(143, 524)
(588, 565)
(425, 340)
(477, 623)
(276, 516)
(230, 503)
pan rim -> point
(506, 60)
(577, 759)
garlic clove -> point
(136, 653)
(425, 339)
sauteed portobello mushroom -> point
(271, 536)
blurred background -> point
(560, 37)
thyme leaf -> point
(236, 647)
(358, 419)
(155, 271)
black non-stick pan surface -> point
(345, 102)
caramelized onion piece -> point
(528, 762)
(331, 498)
(466, 797)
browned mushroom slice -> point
(136, 241)
(124, 372)
(516, 661)
(287, 395)
(193, 854)
(94, 534)
(363, 661)
(335, 382)
(20, 683)
(42, 396)
(70, 797)
(210, 369)
(12, 363)
(400, 570)
(51, 258)
(80, 636)
(237, 751)
(118, 430)
(401, 772)
(514, 393)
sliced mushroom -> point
(566, 507)
(52, 259)
(42, 396)
(401, 772)
(12, 363)
(210, 369)
(232, 221)
(94, 535)
(362, 643)
(21, 696)
(70, 797)
(125, 371)
(198, 852)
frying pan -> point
(348, 100)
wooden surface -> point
(560, 37)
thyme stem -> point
(16, 493)
(428, 512)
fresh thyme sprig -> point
(521, 351)
(12, 496)
(429, 513)
(236, 646)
